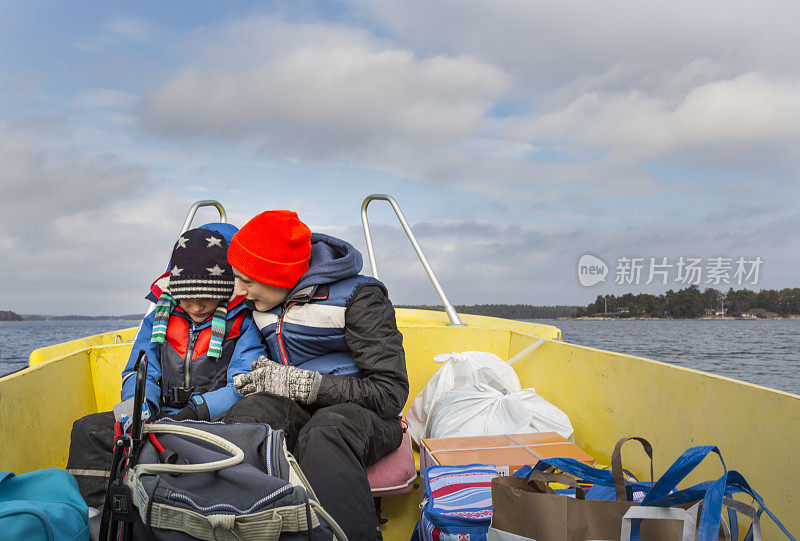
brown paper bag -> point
(528, 507)
(521, 510)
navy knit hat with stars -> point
(199, 268)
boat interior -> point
(607, 395)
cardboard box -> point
(508, 452)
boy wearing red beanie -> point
(335, 380)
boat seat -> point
(394, 474)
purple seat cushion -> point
(394, 474)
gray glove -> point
(288, 381)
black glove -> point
(186, 414)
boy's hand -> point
(287, 381)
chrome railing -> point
(223, 217)
(451, 312)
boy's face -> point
(199, 309)
(264, 296)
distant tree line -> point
(692, 303)
(6, 315)
(506, 311)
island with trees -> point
(691, 303)
(688, 303)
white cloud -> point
(127, 28)
(81, 233)
(624, 83)
(749, 109)
(324, 95)
(547, 45)
(511, 263)
(330, 95)
(115, 33)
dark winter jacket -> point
(342, 325)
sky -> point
(516, 136)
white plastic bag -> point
(459, 369)
(480, 410)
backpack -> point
(457, 504)
(221, 481)
(42, 504)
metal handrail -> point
(451, 312)
(223, 217)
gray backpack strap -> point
(267, 524)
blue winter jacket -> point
(247, 349)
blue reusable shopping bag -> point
(42, 504)
(711, 492)
(664, 493)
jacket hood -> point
(331, 260)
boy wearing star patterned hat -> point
(198, 337)
(200, 281)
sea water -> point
(762, 352)
(19, 338)
(757, 351)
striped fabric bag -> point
(457, 504)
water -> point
(762, 352)
(19, 338)
(758, 351)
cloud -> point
(479, 262)
(749, 111)
(20, 90)
(548, 45)
(127, 28)
(330, 95)
(424, 109)
(622, 84)
(115, 33)
(336, 95)
(324, 96)
(81, 233)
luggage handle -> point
(538, 481)
(237, 455)
(616, 466)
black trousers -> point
(333, 446)
(91, 449)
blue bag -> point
(664, 493)
(42, 504)
(711, 492)
(457, 504)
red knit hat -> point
(273, 248)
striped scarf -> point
(167, 303)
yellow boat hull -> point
(607, 395)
